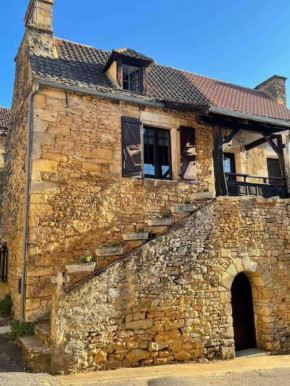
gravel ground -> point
(14, 372)
(277, 377)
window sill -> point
(156, 182)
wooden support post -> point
(284, 161)
(218, 158)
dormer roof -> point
(130, 56)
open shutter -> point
(188, 153)
(132, 147)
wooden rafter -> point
(261, 141)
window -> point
(132, 78)
(229, 165)
(157, 155)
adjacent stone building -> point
(4, 125)
(174, 183)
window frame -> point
(140, 88)
(233, 166)
(158, 171)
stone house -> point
(4, 125)
(177, 184)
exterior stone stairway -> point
(36, 348)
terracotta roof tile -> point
(83, 66)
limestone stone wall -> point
(13, 196)
(79, 198)
(171, 301)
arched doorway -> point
(243, 313)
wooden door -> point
(243, 313)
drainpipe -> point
(26, 200)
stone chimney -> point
(39, 15)
(275, 88)
(39, 27)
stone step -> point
(43, 331)
(133, 236)
(182, 208)
(37, 354)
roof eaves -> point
(101, 94)
(257, 118)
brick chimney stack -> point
(39, 15)
(275, 88)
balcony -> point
(249, 185)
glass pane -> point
(149, 170)
(227, 165)
(163, 152)
(125, 76)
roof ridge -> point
(5, 108)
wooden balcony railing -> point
(239, 185)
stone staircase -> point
(36, 348)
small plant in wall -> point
(188, 202)
(165, 215)
(141, 230)
(206, 190)
(87, 259)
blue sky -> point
(239, 41)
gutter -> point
(158, 104)
(257, 118)
(26, 201)
(99, 94)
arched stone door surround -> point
(261, 282)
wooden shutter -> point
(188, 154)
(132, 147)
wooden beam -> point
(233, 123)
(256, 143)
(274, 146)
(231, 135)
(218, 158)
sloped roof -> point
(4, 119)
(83, 66)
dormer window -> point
(132, 78)
(128, 69)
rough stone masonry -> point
(171, 301)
